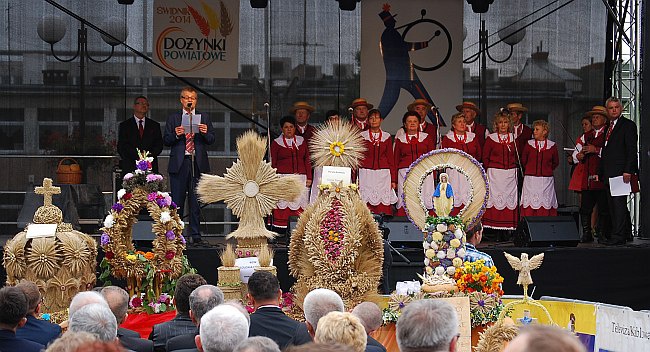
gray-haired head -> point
(71, 341)
(427, 324)
(238, 305)
(222, 329)
(369, 314)
(118, 301)
(257, 344)
(96, 319)
(204, 298)
(319, 302)
(84, 298)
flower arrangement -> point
(148, 274)
(483, 286)
(444, 245)
(332, 231)
(286, 303)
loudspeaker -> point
(547, 231)
(403, 230)
(141, 230)
(259, 4)
(348, 5)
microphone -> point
(189, 105)
(350, 110)
(434, 108)
(266, 105)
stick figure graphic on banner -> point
(400, 70)
(443, 196)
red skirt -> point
(529, 211)
(281, 216)
(504, 219)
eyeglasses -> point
(188, 98)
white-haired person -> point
(370, 316)
(544, 338)
(222, 329)
(317, 304)
(427, 325)
(96, 319)
(377, 173)
(257, 344)
(539, 159)
(343, 328)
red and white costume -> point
(468, 143)
(523, 134)
(425, 127)
(307, 131)
(538, 197)
(290, 156)
(499, 160)
(407, 150)
(480, 131)
(362, 125)
(377, 171)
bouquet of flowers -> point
(483, 287)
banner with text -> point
(412, 50)
(196, 38)
(620, 329)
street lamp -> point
(52, 29)
(511, 35)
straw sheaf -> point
(250, 168)
(265, 256)
(43, 258)
(345, 133)
(228, 256)
(356, 272)
(13, 258)
(496, 336)
(76, 255)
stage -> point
(589, 272)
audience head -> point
(544, 338)
(222, 329)
(118, 301)
(342, 327)
(13, 308)
(184, 287)
(318, 303)
(96, 319)
(427, 325)
(257, 344)
(475, 234)
(32, 294)
(319, 347)
(264, 288)
(71, 341)
(101, 346)
(238, 305)
(84, 298)
(369, 314)
(202, 299)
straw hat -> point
(468, 105)
(516, 107)
(597, 110)
(361, 102)
(416, 102)
(301, 105)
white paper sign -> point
(336, 174)
(246, 267)
(41, 230)
(617, 187)
(185, 122)
(620, 329)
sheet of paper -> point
(569, 149)
(41, 230)
(336, 174)
(196, 120)
(619, 188)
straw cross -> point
(47, 190)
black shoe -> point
(199, 242)
(586, 239)
(614, 242)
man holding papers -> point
(618, 164)
(188, 133)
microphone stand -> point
(435, 111)
(267, 108)
(192, 154)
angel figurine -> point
(443, 196)
(524, 266)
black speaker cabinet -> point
(547, 231)
(403, 230)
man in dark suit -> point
(618, 158)
(182, 324)
(139, 132)
(202, 300)
(188, 158)
(118, 302)
(37, 330)
(268, 319)
(13, 309)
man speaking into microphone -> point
(188, 133)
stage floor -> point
(589, 272)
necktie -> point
(609, 131)
(140, 128)
(189, 143)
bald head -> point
(369, 314)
